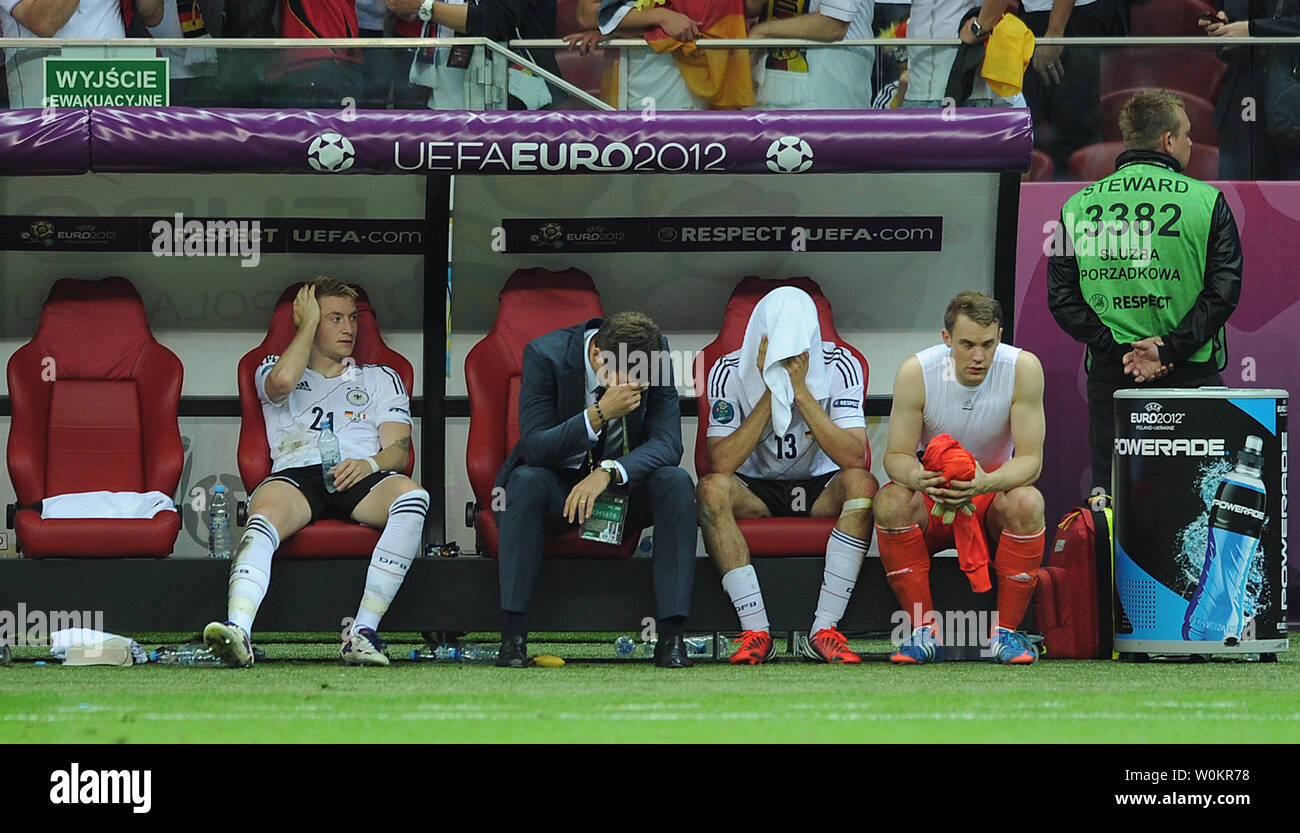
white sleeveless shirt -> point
(978, 417)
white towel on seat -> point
(106, 505)
(788, 317)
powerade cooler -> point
(1200, 521)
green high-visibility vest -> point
(1139, 237)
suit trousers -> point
(534, 509)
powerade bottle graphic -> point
(1236, 522)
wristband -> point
(601, 415)
(374, 467)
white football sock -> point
(844, 555)
(741, 585)
(250, 574)
(397, 548)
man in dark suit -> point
(597, 409)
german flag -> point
(719, 76)
(191, 19)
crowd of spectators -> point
(1241, 119)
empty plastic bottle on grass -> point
(702, 646)
(625, 647)
(184, 655)
(1237, 517)
(328, 443)
(472, 654)
(219, 524)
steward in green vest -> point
(1145, 268)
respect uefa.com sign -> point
(106, 82)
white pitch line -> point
(81, 715)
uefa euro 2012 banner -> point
(142, 140)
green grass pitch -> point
(301, 696)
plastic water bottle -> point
(184, 655)
(329, 453)
(219, 524)
(448, 652)
(478, 654)
(699, 646)
(625, 647)
(1237, 519)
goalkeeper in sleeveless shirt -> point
(989, 397)
(1146, 270)
(369, 409)
(815, 469)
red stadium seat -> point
(1041, 168)
(566, 19)
(1171, 18)
(582, 71)
(766, 536)
(1200, 111)
(1192, 70)
(95, 401)
(1096, 161)
(1204, 164)
(533, 302)
(326, 538)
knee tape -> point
(857, 504)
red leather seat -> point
(1170, 18)
(1041, 168)
(95, 401)
(1096, 161)
(533, 302)
(1182, 69)
(326, 538)
(766, 536)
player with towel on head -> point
(787, 438)
(988, 397)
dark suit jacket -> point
(552, 401)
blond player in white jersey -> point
(312, 384)
(989, 397)
(815, 469)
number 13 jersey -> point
(796, 455)
(356, 402)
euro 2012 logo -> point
(42, 231)
(550, 234)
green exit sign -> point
(106, 82)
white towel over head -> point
(788, 317)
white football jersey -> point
(795, 455)
(978, 417)
(356, 402)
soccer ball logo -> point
(789, 155)
(331, 153)
(42, 231)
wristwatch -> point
(614, 476)
(426, 11)
(979, 32)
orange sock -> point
(1017, 563)
(907, 567)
